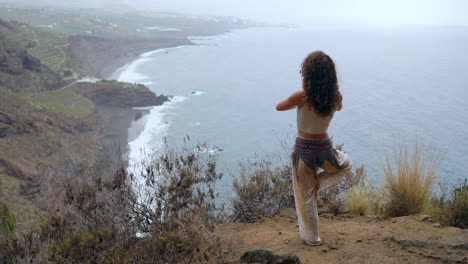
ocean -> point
(400, 85)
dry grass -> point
(409, 174)
(358, 200)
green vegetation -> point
(454, 211)
(64, 101)
(46, 45)
(67, 73)
(102, 23)
(7, 219)
(26, 214)
(50, 48)
(122, 84)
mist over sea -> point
(399, 85)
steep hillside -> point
(19, 70)
(48, 129)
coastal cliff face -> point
(20, 71)
(115, 94)
(92, 55)
(46, 132)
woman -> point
(316, 165)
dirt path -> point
(67, 86)
(353, 239)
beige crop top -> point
(308, 121)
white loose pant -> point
(306, 187)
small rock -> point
(279, 233)
(332, 247)
(436, 225)
(359, 240)
(424, 218)
(266, 257)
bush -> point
(357, 200)
(67, 73)
(168, 217)
(261, 190)
(454, 211)
(409, 175)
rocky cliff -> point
(19, 70)
(47, 132)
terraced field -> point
(47, 45)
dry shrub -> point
(409, 175)
(357, 200)
(261, 190)
(168, 216)
(377, 198)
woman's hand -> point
(294, 100)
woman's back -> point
(309, 122)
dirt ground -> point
(352, 239)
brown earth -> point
(352, 239)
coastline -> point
(126, 130)
(115, 65)
(118, 124)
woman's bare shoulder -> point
(299, 98)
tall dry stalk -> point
(409, 175)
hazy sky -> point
(452, 12)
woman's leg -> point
(305, 196)
(329, 175)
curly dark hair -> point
(320, 83)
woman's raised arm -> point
(294, 100)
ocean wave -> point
(129, 72)
(151, 139)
